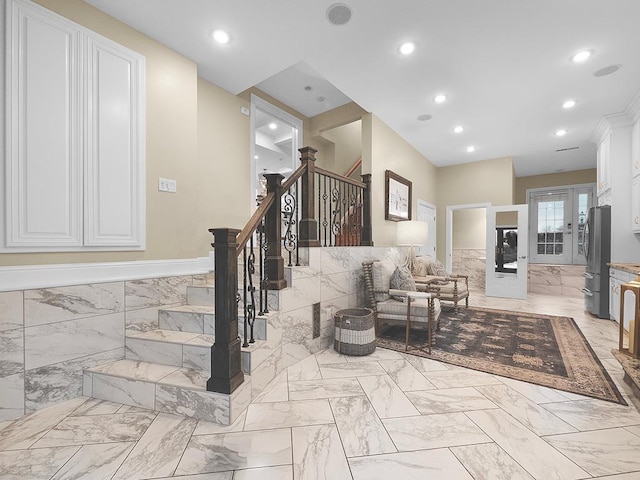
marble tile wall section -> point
(471, 262)
(49, 335)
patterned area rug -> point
(535, 348)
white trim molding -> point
(47, 276)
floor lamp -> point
(412, 233)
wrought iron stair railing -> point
(288, 217)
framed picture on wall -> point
(397, 193)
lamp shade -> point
(412, 232)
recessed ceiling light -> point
(407, 48)
(256, 157)
(273, 126)
(441, 97)
(561, 133)
(308, 88)
(603, 72)
(424, 117)
(581, 56)
(459, 129)
(221, 36)
(569, 104)
(471, 149)
(339, 14)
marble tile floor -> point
(331, 416)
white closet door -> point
(43, 167)
(114, 189)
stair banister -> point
(226, 369)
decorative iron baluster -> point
(264, 286)
(335, 212)
(260, 232)
(250, 309)
(245, 343)
(354, 220)
(289, 217)
(325, 222)
(319, 205)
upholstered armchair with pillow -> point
(391, 294)
(431, 276)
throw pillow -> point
(437, 269)
(402, 280)
(382, 272)
(421, 266)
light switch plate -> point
(167, 185)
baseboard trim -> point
(45, 276)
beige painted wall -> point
(487, 181)
(384, 149)
(552, 180)
(195, 135)
(469, 228)
(347, 141)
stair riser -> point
(187, 356)
(205, 323)
(202, 405)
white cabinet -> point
(75, 137)
(604, 164)
(616, 279)
(635, 204)
(635, 149)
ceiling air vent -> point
(339, 14)
(567, 149)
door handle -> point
(587, 292)
(587, 275)
(523, 257)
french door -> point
(557, 224)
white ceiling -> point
(504, 65)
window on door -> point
(557, 219)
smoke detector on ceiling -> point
(339, 14)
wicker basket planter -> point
(354, 331)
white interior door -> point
(427, 213)
(507, 258)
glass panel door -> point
(554, 228)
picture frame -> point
(397, 194)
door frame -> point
(449, 230)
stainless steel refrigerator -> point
(597, 249)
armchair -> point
(399, 307)
(430, 276)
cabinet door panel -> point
(114, 161)
(43, 165)
(635, 149)
(635, 204)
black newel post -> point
(366, 238)
(308, 223)
(274, 263)
(226, 368)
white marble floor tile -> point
(95, 406)
(187, 378)
(359, 369)
(25, 431)
(119, 427)
(202, 476)
(534, 454)
(135, 369)
(377, 355)
(406, 376)
(536, 393)
(329, 356)
(530, 414)
(439, 464)
(233, 451)
(360, 429)
(386, 397)
(282, 472)
(158, 451)
(306, 369)
(329, 388)
(318, 454)
(460, 377)
(635, 429)
(262, 416)
(36, 464)
(210, 428)
(100, 461)
(624, 476)
(425, 364)
(433, 431)
(594, 414)
(449, 400)
(488, 461)
(601, 452)
(277, 390)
